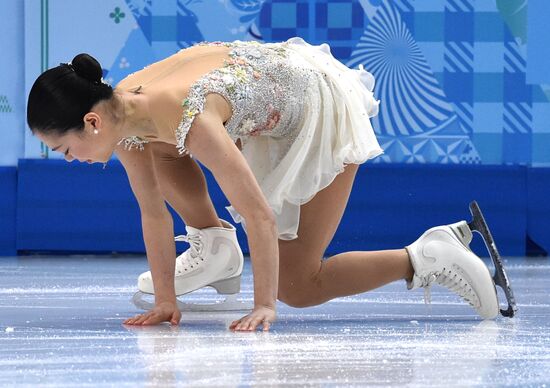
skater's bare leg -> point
(306, 280)
(350, 273)
(184, 187)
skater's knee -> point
(294, 299)
(298, 292)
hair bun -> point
(87, 67)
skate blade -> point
(500, 278)
(231, 303)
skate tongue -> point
(194, 240)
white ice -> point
(66, 318)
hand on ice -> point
(260, 315)
(164, 311)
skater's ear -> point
(92, 121)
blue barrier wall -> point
(538, 208)
(8, 189)
(70, 207)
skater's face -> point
(95, 143)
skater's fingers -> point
(175, 319)
(254, 323)
(247, 323)
(151, 321)
(131, 321)
(243, 325)
(239, 326)
(266, 325)
(236, 322)
(143, 318)
(235, 325)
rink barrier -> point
(79, 208)
(8, 190)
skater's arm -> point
(158, 235)
(156, 221)
(209, 142)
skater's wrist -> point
(270, 305)
(165, 299)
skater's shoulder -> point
(136, 78)
(177, 64)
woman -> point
(283, 127)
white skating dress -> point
(300, 114)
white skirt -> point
(338, 134)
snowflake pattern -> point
(124, 63)
(117, 15)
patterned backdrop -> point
(452, 75)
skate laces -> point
(426, 283)
(192, 256)
(451, 280)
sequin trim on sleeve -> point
(230, 81)
(251, 81)
(133, 142)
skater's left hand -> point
(163, 311)
(260, 315)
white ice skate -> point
(442, 255)
(214, 259)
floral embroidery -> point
(253, 80)
(259, 84)
(247, 125)
(242, 83)
(272, 120)
(239, 81)
(231, 81)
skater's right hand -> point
(162, 312)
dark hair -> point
(61, 96)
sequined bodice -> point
(265, 84)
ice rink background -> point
(61, 326)
(463, 86)
(487, 76)
(470, 78)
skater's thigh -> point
(319, 219)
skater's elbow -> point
(263, 226)
(261, 216)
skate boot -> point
(213, 259)
(442, 255)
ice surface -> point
(67, 313)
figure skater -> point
(283, 127)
